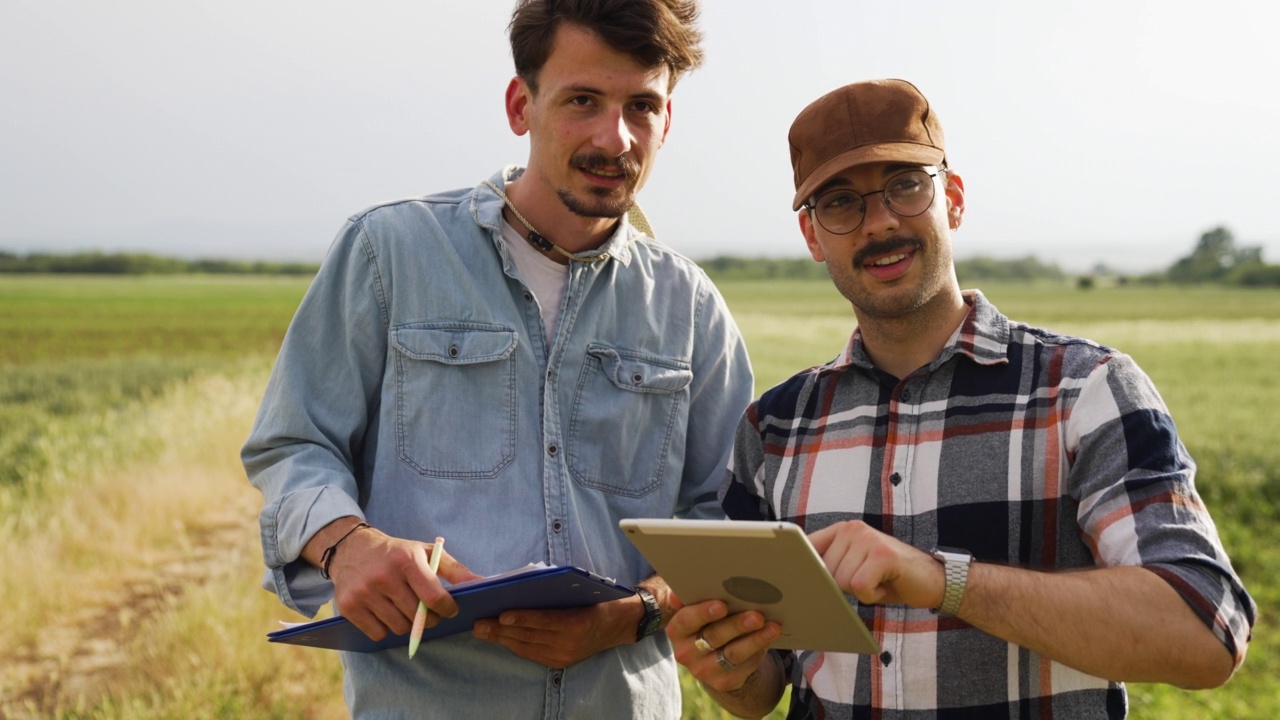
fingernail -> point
(507, 620)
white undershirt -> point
(546, 278)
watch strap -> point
(652, 618)
(955, 569)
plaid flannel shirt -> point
(1023, 447)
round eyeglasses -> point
(840, 211)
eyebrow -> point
(841, 181)
(656, 98)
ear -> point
(810, 238)
(519, 95)
(667, 126)
(955, 200)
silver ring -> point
(724, 661)
(702, 644)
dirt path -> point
(78, 659)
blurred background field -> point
(130, 567)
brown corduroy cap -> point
(873, 121)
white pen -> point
(420, 618)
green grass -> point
(83, 358)
(54, 318)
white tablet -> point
(765, 566)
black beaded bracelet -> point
(327, 556)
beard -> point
(603, 202)
(898, 302)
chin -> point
(597, 206)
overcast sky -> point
(1086, 132)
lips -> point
(887, 259)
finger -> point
(721, 633)
(689, 619)
(531, 620)
(367, 623)
(512, 635)
(821, 540)
(728, 667)
(454, 571)
(426, 587)
(390, 615)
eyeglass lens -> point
(907, 194)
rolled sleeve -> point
(306, 446)
(1139, 505)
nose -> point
(878, 220)
(613, 137)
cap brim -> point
(912, 153)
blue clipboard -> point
(542, 588)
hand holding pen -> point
(380, 580)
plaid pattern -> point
(1059, 454)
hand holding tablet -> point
(766, 566)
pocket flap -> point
(455, 344)
(641, 373)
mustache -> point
(598, 161)
(885, 247)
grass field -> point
(129, 571)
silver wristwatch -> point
(955, 566)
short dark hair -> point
(654, 32)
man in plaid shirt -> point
(1012, 508)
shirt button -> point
(885, 658)
(896, 479)
(906, 394)
(552, 449)
(453, 351)
(555, 679)
(637, 378)
(557, 526)
(528, 297)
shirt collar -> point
(983, 337)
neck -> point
(902, 345)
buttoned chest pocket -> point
(627, 412)
(455, 399)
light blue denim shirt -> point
(416, 389)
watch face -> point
(948, 554)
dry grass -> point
(129, 591)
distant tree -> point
(728, 267)
(1255, 275)
(141, 264)
(1025, 269)
(1213, 259)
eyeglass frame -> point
(937, 170)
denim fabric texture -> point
(415, 389)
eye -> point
(581, 100)
(907, 184)
(839, 201)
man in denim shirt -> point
(455, 372)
